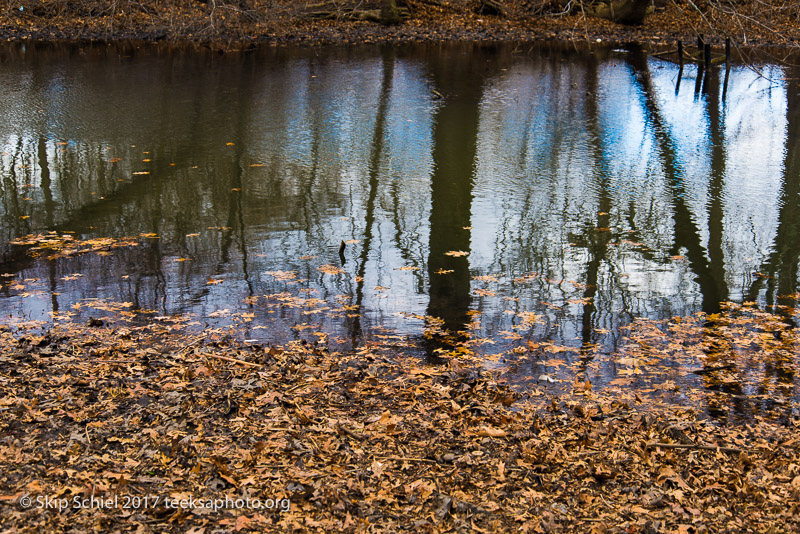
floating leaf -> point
(330, 269)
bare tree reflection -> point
(687, 233)
(455, 137)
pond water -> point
(521, 192)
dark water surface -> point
(575, 191)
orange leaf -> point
(492, 432)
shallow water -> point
(574, 190)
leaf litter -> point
(369, 439)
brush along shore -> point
(237, 24)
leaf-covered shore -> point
(236, 24)
(365, 441)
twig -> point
(406, 459)
(752, 20)
(349, 432)
(296, 386)
(664, 53)
(731, 450)
(186, 349)
(233, 360)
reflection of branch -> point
(598, 248)
(373, 178)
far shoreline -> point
(661, 30)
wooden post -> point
(727, 66)
(707, 55)
(680, 68)
(727, 52)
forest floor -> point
(123, 425)
(234, 24)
